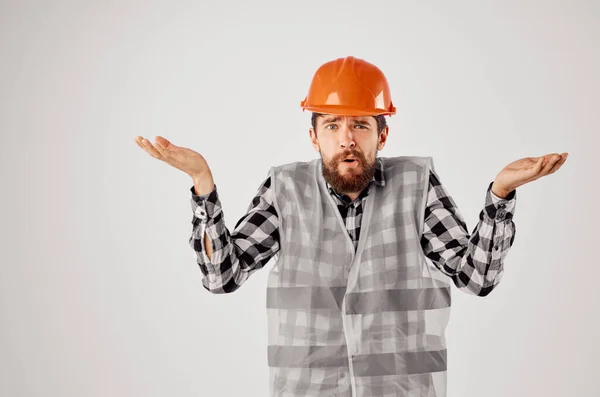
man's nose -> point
(346, 137)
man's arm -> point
(474, 262)
(228, 259)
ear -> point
(313, 139)
(383, 138)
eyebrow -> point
(337, 118)
(331, 119)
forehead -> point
(330, 118)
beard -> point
(353, 179)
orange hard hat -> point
(349, 87)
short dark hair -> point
(381, 122)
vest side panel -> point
(307, 350)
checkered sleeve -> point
(241, 252)
(474, 262)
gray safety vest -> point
(366, 323)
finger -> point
(165, 143)
(537, 166)
(555, 167)
(138, 140)
(161, 149)
(550, 163)
(166, 148)
(548, 158)
(534, 172)
(147, 146)
(151, 149)
(559, 163)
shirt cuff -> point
(500, 208)
(205, 206)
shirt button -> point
(502, 205)
(501, 214)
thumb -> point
(538, 165)
(164, 143)
(542, 161)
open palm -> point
(184, 159)
(529, 169)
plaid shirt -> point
(473, 262)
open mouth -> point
(351, 163)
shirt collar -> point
(378, 179)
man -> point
(354, 308)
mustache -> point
(348, 153)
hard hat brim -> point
(348, 111)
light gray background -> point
(100, 294)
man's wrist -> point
(203, 184)
(500, 191)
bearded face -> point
(348, 146)
(349, 171)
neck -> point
(352, 195)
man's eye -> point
(360, 126)
(330, 125)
